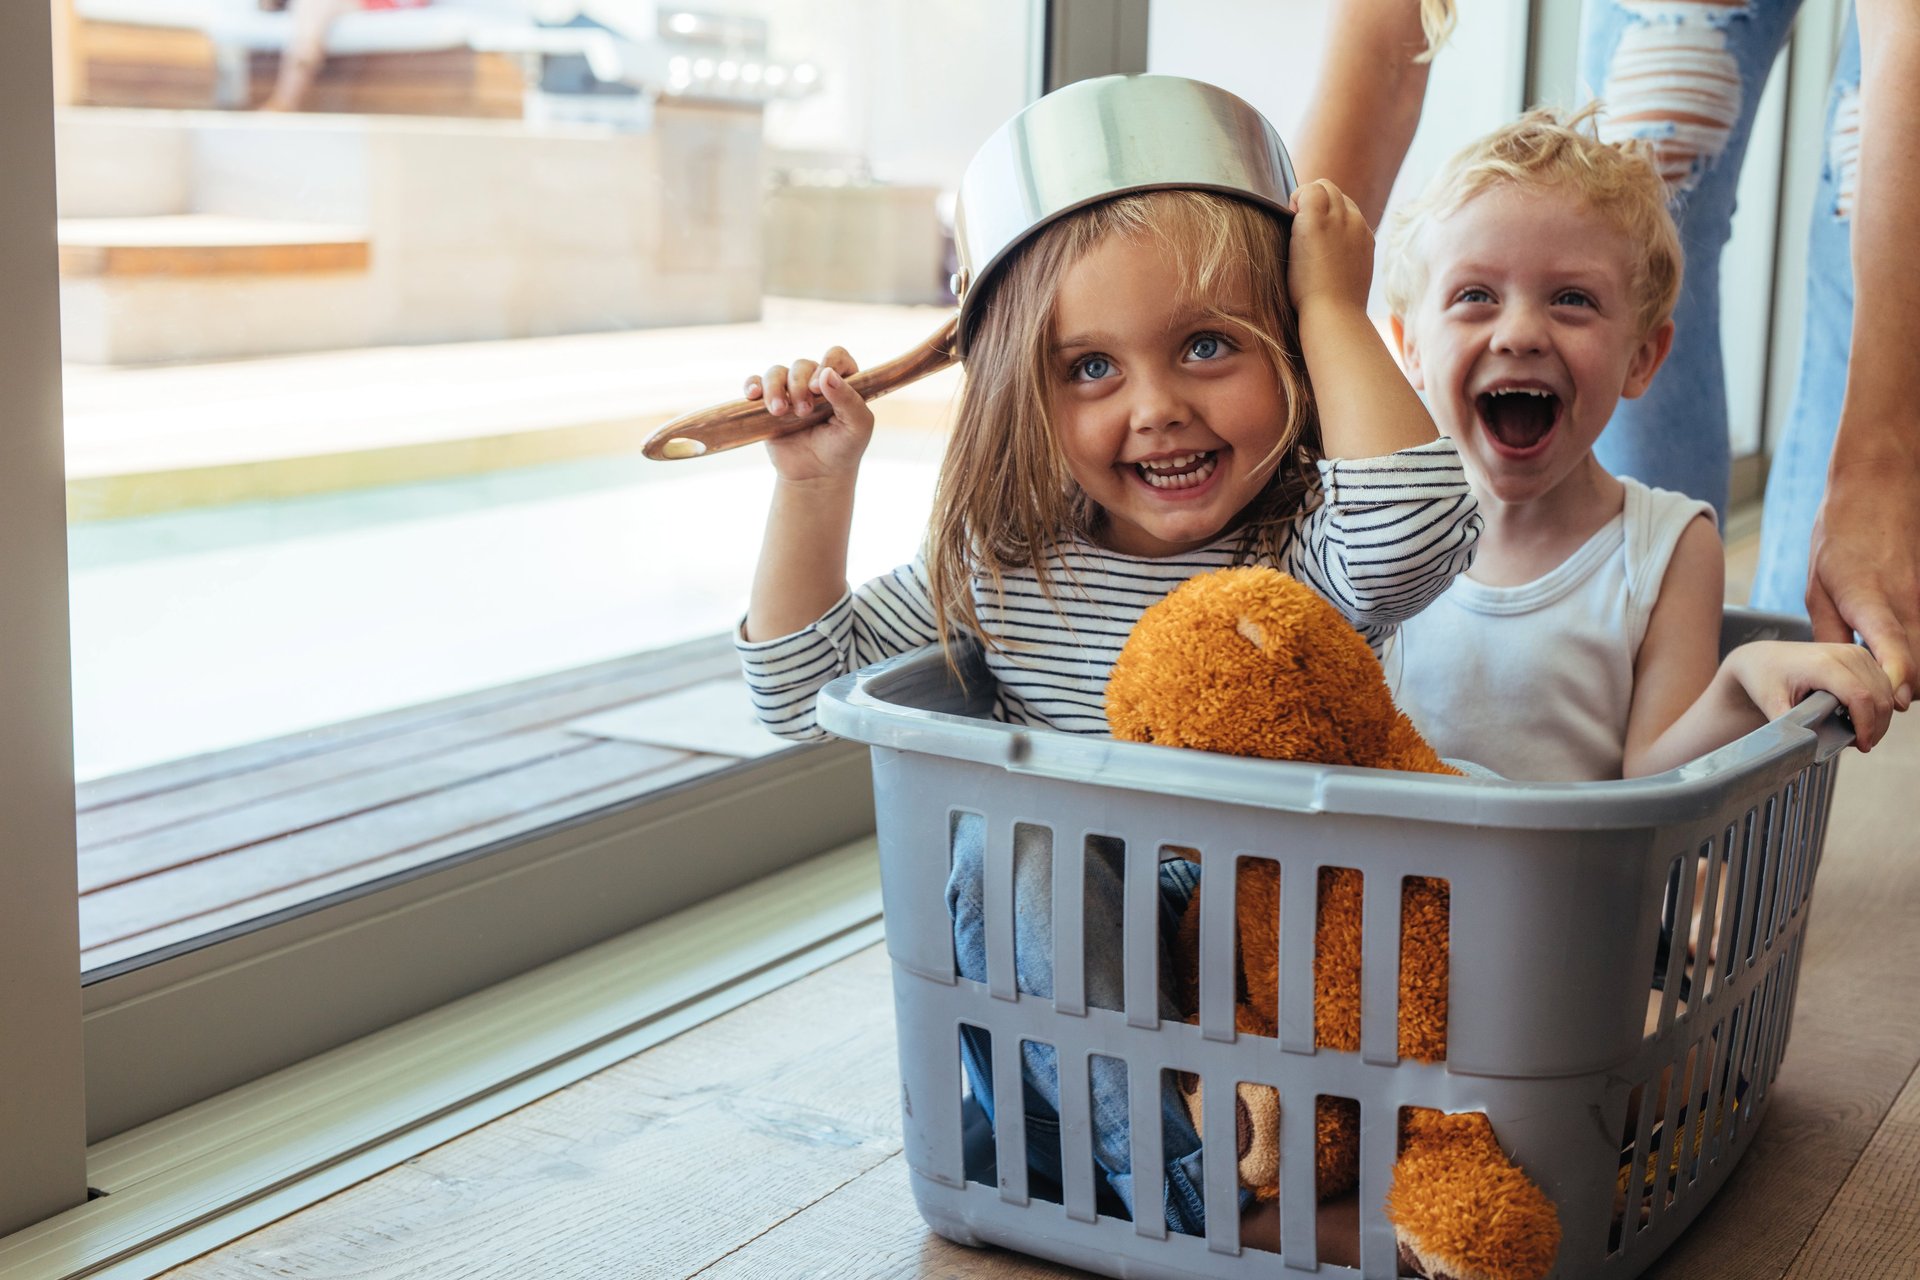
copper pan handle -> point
(728, 426)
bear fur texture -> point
(1250, 662)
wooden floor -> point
(183, 849)
(767, 1142)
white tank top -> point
(1536, 681)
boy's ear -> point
(1647, 359)
(1409, 352)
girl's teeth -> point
(1160, 474)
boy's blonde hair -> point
(1550, 150)
(1005, 498)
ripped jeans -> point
(1687, 75)
(1033, 971)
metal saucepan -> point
(1089, 141)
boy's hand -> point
(833, 448)
(1331, 251)
(1776, 674)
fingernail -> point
(829, 376)
(777, 405)
(1904, 696)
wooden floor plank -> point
(1873, 1226)
(473, 807)
(871, 1230)
(281, 817)
(648, 1169)
(133, 804)
(711, 655)
(520, 823)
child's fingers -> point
(1869, 696)
(752, 390)
(800, 385)
(775, 389)
(846, 402)
(838, 360)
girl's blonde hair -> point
(1549, 150)
(1005, 498)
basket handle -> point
(737, 422)
(1832, 731)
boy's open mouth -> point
(1518, 418)
(1181, 472)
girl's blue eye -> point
(1572, 298)
(1090, 369)
(1473, 295)
(1208, 346)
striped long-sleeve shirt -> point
(1386, 536)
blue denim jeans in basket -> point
(1713, 61)
(1033, 962)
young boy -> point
(1531, 287)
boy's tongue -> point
(1517, 419)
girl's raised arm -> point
(802, 571)
(1367, 407)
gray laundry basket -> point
(1558, 896)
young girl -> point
(1135, 412)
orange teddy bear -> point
(1250, 662)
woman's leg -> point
(1798, 479)
(1685, 76)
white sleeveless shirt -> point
(1536, 681)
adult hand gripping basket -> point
(1628, 1110)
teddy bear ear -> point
(1250, 631)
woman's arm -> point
(1366, 100)
(1865, 573)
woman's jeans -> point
(1033, 967)
(1708, 65)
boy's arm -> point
(1756, 683)
(1677, 658)
(1367, 407)
(1765, 679)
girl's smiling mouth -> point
(1179, 471)
(1519, 420)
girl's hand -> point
(1331, 251)
(833, 448)
(1776, 674)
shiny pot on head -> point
(1097, 139)
(1090, 141)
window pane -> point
(366, 567)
